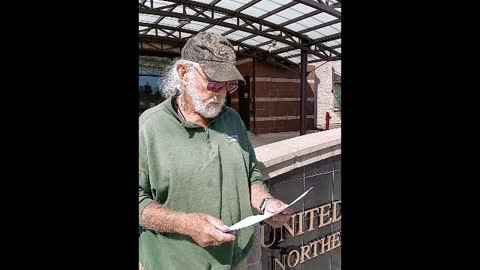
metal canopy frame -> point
(211, 14)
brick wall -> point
(277, 97)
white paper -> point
(251, 220)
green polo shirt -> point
(192, 169)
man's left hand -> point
(273, 206)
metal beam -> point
(332, 22)
(238, 15)
(167, 33)
(337, 5)
(313, 42)
(258, 45)
(210, 26)
(301, 32)
(157, 21)
(318, 60)
(305, 16)
(254, 95)
(213, 3)
(253, 31)
(321, 6)
(199, 12)
(275, 11)
(246, 22)
(292, 56)
(193, 32)
(290, 37)
(196, 14)
(308, 15)
(168, 6)
(325, 39)
(247, 5)
(153, 52)
(303, 91)
(252, 36)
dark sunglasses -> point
(215, 86)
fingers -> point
(213, 237)
(217, 223)
(222, 237)
(280, 219)
(288, 211)
(206, 230)
(275, 205)
(218, 236)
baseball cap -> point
(215, 54)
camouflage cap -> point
(215, 55)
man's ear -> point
(182, 70)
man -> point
(197, 168)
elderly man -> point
(197, 168)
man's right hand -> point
(206, 230)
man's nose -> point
(223, 91)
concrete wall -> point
(325, 97)
(291, 167)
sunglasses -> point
(215, 86)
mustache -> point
(215, 99)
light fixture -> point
(183, 21)
(273, 44)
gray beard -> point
(201, 107)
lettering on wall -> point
(299, 223)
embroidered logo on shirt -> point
(231, 138)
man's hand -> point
(205, 230)
(273, 206)
(257, 193)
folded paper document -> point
(251, 220)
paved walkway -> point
(267, 138)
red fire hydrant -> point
(327, 121)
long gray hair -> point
(172, 84)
